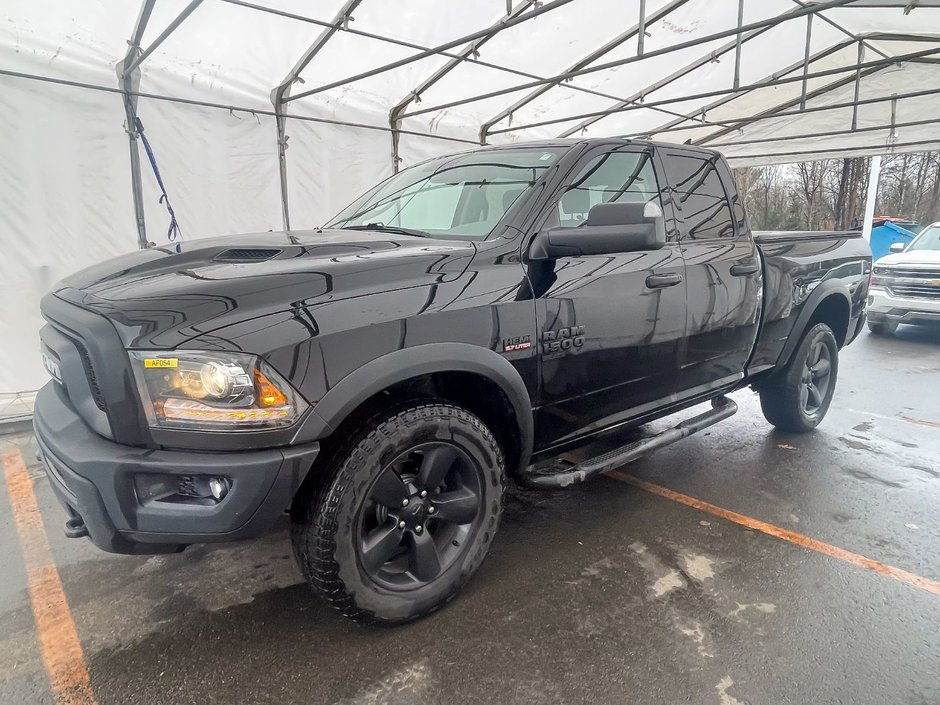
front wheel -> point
(405, 514)
(797, 397)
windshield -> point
(464, 195)
(929, 239)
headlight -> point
(213, 391)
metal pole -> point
(828, 133)
(187, 11)
(544, 87)
(282, 90)
(894, 115)
(547, 7)
(877, 63)
(737, 46)
(810, 154)
(129, 82)
(663, 82)
(770, 115)
(641, 29)
(858, 84)
(394, 115)
(769, 22)
(226, 107)
(809, 39)
(874, 171)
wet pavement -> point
(600, 594)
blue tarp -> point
(886, 234)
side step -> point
(722, 408)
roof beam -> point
(617, 41)
(842, 29)
(180, 18)
(740, 39)
(540, 10)
(779, 112)
(394, 115)
(773, 81)
(887, 149)
(799, 12)
(828, 133)
(728, 98)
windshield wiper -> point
(387, 229)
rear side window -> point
(614, 177)
(700, 196)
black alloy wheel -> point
(397, 517)
(419, 515)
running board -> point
(722, 408)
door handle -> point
(661, 281)
(744, 270)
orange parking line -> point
(58, 638)
(898, 574)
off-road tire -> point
(781, 397)
(323, 529)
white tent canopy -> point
(271, 112)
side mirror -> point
(610, 228)
(898, 246)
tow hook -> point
(75, 528)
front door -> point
(610, 326)
(722, 269)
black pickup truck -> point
(464, 322)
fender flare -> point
(407, 363)
(823, 291)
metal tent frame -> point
(466, 49)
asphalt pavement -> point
(764, 568)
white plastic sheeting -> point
(206, 105)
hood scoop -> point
(248, 254)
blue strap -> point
(173, 232)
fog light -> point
(219, 487)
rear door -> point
(610, 326)
(722, 270)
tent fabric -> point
(491, 66)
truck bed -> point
(801, 265)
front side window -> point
(614, 177)
(929, 239)
(459, 196)
(700, 196)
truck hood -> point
(917, 258)
(161, 298)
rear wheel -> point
(797, 397)
(405, 515)
(883, 327)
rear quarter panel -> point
(795, 266)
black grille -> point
(90, 374)
(248, 254)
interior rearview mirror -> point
(897, 246)
(610, 228)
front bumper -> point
(884, 306)
(103, 485)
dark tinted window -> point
(699, 195)
(614, 177)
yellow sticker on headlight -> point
(161, 362)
